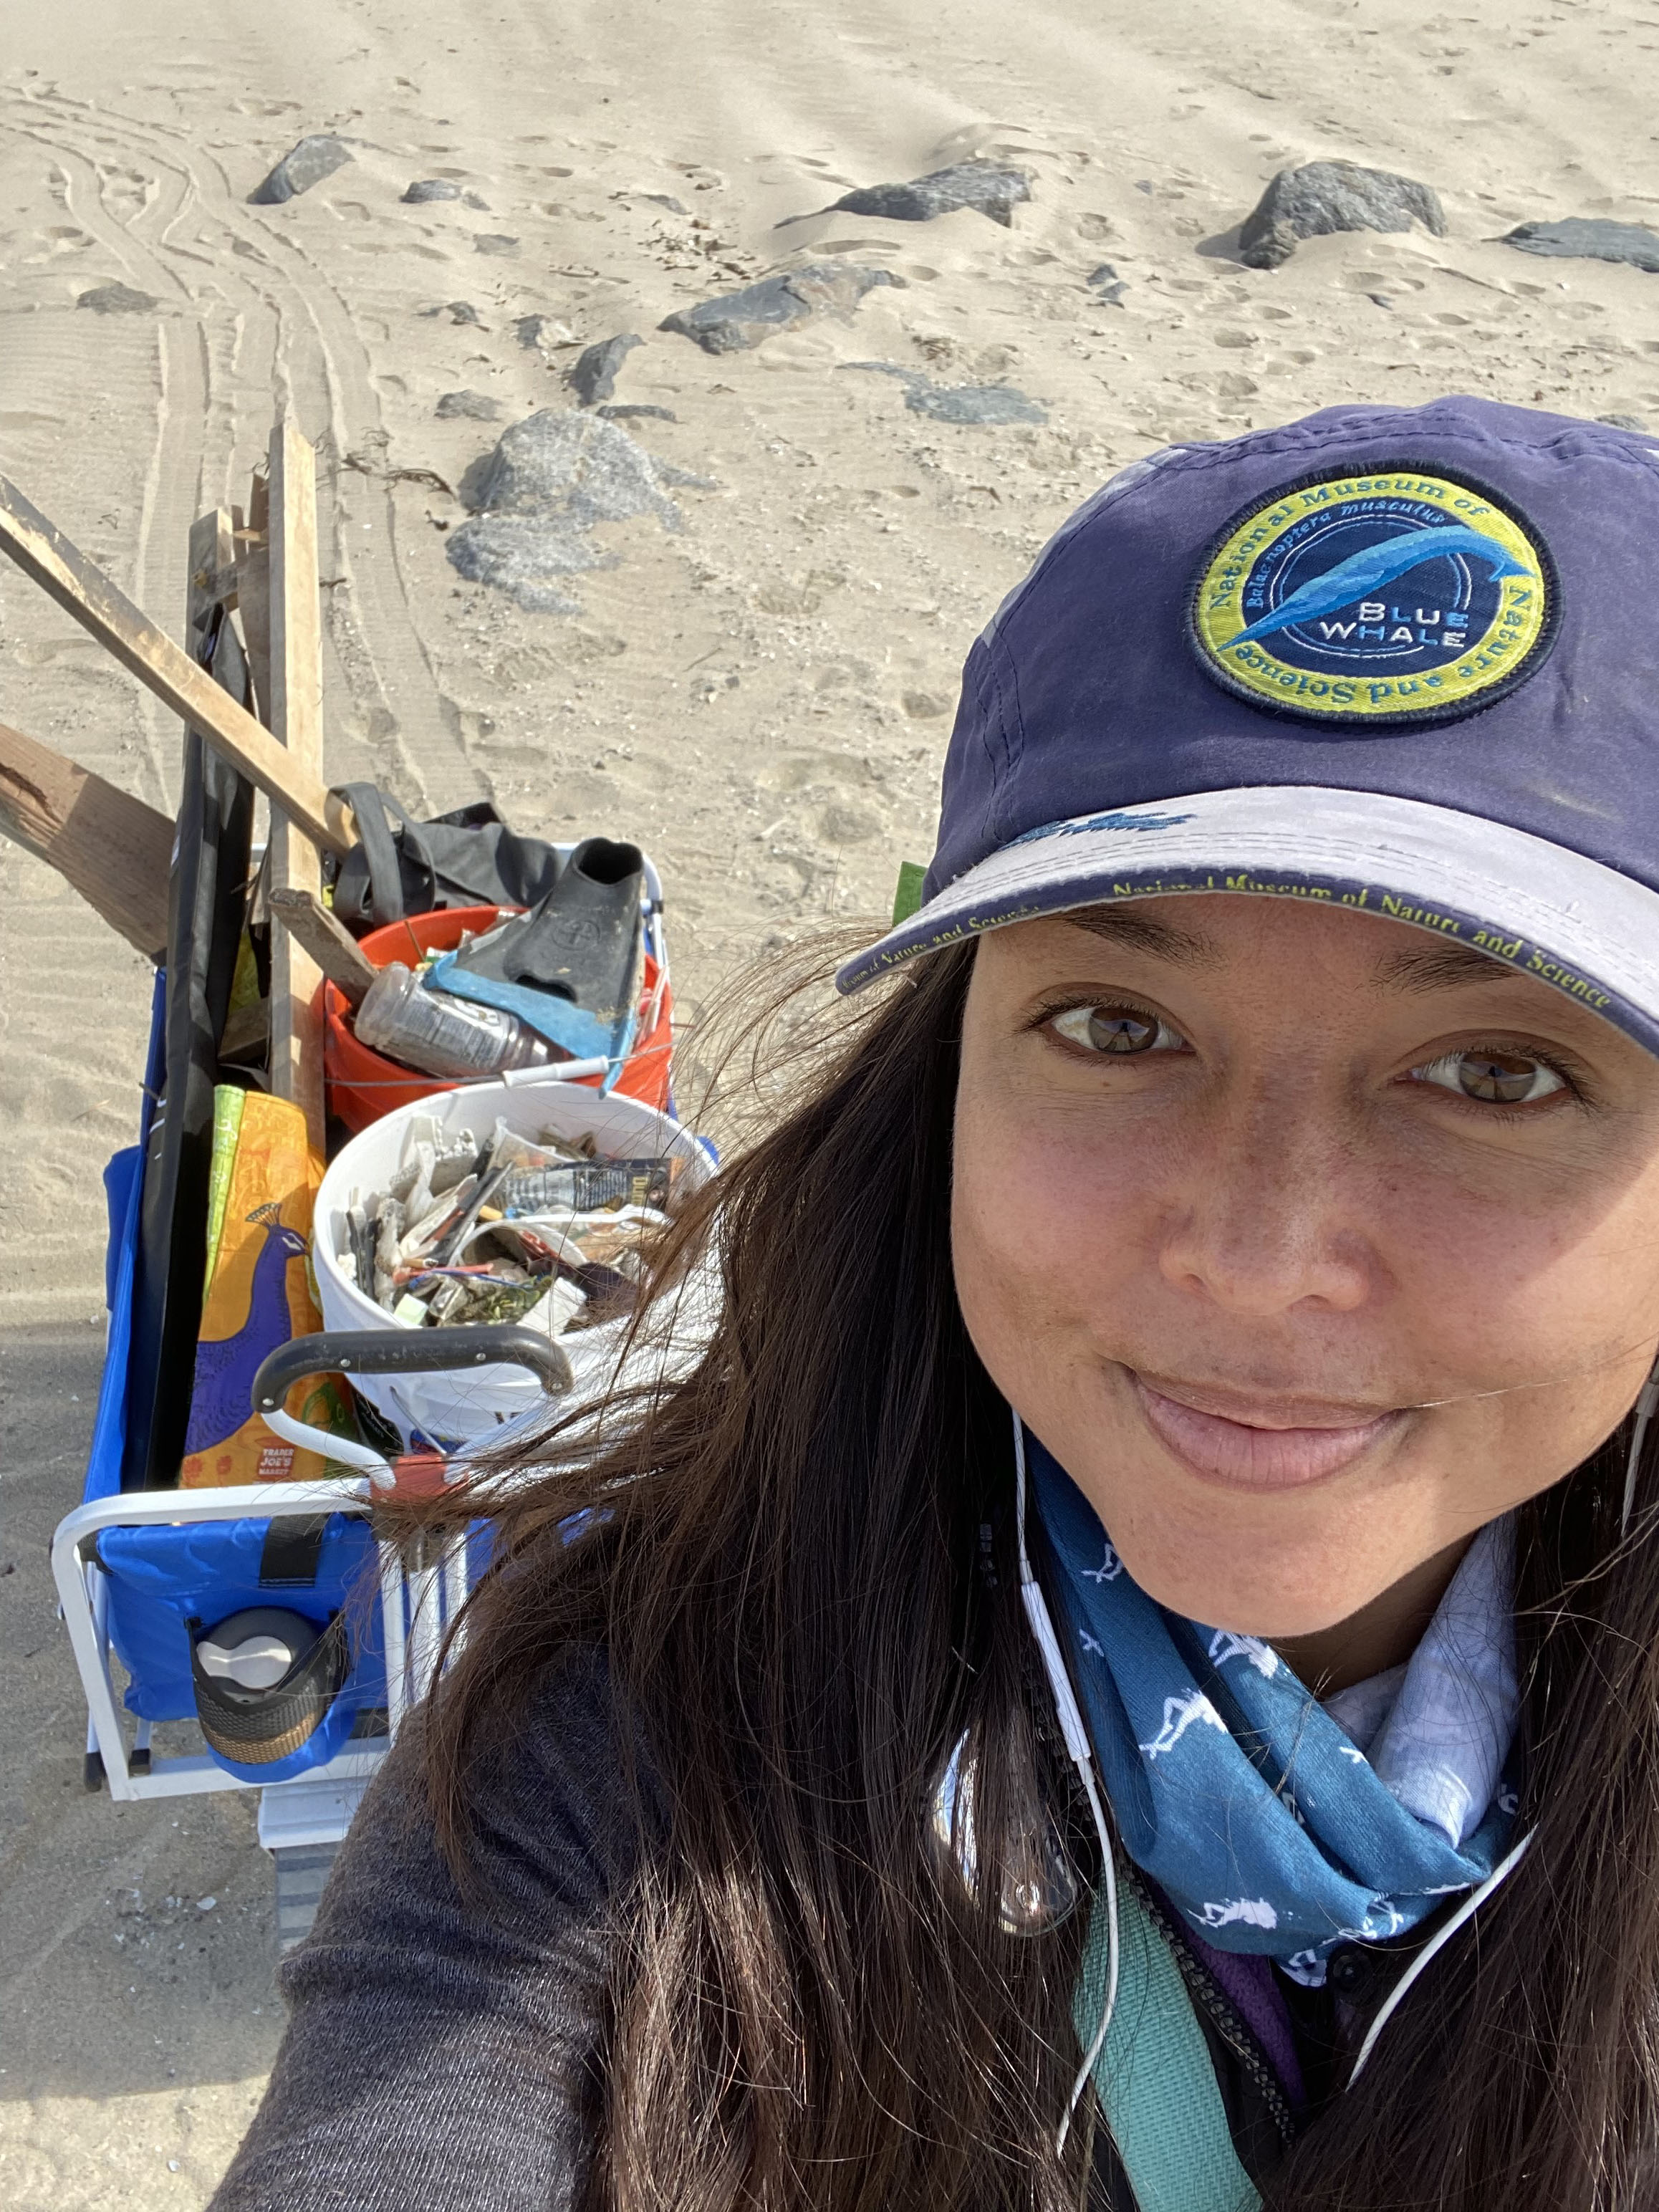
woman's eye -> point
(1116, 1029)
(1497, 1078)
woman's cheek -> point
(1045, 1238)
(1512, 1287)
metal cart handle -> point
(409, 1352)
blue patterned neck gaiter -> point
(1255, 1812)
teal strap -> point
(1156, 2087)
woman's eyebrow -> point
(1438, 968)
(1135, 930)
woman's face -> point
(1306, 1242)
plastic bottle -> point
(440, 1035)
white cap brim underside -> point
(1572, 921)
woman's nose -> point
(1265, 1220)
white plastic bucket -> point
(446, 1411)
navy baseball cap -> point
(1403, 660)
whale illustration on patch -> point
(1363, 573)
(1391, 596)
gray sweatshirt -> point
(443, 2052)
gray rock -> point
(560, 455)
(627, 414)
(309, 162)
(974, 402)
(525, 555)
(431, 188)
(982, 404)
(1107, 285)
(495, 242)
(116, 300)
(1329, 196)
(1581, 240)
(593, 375)
(736, 321)
(666, 200)
(476, 200)
(993, 190)
(550, 479)
(458, 311)
(477, 406)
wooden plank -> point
(212, 554)
(296, 722)
(114, 849)
(291, 783)
(253, 589)
(329, 942)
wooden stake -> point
(329, 942)
(212, 576)
(296, 722)
(114, 849)
(253, 590)
(292, 783)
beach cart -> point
(148, 1577)
(264, 1634)
(145, 1578)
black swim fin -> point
(572, 966)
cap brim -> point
(1570, 921)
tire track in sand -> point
(173, 472)
(269, 324)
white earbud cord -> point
(1470, 1905)
(1072, 1727)
(1078, 1745)
(1646, 1405)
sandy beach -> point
(752, 673)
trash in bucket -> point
(546, 1234)
(534, 1201)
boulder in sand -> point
(987, 404)
(988, 186)
(549, 481)
(474, 406)
(309, 162)
(431, 188)
(1107, 285)
(1579, 237)
(738, 320)
(117, 300)
(1330, 196)
(594, 376)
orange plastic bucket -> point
(362, 1083)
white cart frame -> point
(312, 1812)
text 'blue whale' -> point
(1363, 572)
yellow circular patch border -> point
(1514, 644)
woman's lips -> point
(1260, 1452)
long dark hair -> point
(796, 1558)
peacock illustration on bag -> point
(258, 1295)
